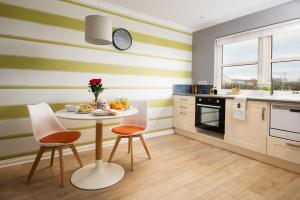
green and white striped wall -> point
(44, 58)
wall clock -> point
(122, 39)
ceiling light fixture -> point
(98, 29)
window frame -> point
(265, 60)
(281, 60)
(239, 64)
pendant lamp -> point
(98, 29)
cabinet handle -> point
(293, 145)
(182, 113)
(182, 99)
(263, 113)
(184, 107)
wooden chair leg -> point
(61, 162)
(114, 148)
(73, 148)
(35, 163)
(52, 156)
(128, 145)
(145, 146)
(131, 152)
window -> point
(286, 45)
(240, 64)
(286, 61)
(240, 52)
(286, 76)
(266, 58)
(244, 77)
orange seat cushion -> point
(64, 137)
(126, 130)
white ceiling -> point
(194, 14)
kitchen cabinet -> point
(283, 149)
(184, 113)
(252, 132)
(284, 139)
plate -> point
(83, 112)
(101, 113)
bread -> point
(85, 108)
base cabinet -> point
(284, 149)
(250, 133)
(184, 113)
(249, 137)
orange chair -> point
(50, 134)
(132, 126)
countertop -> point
(270, 98)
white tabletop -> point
(89, 116)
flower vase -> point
(96, 94)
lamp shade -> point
(98, 30)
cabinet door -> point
(184, 113)
(184, 120)
(250, 133)
(284, 149)
(184, 99)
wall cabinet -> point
(184, 112)
(252, 132)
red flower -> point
(95, 81)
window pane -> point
(286, 45)
(286, 76)
(243, 77)
(238, 52)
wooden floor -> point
(180, 169)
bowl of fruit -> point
(119, 104)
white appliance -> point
(285, 121)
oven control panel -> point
(210, 100)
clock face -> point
(122, 39)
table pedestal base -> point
(97, 175)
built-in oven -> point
(210, 114)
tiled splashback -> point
(204, 89)
(187, 89)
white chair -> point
(50, 134)
(132, 126)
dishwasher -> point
(285, 121)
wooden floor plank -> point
(180, 168)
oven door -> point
(210, 117)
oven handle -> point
(208, 106)
(294, 110)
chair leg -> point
(52, 156)
(73, 148)
(61, 162)
(145, 146)
(131, 152)
(128, 145)
(114, 148)
(35, 163)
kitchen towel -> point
(239, 107)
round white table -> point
(99, 174)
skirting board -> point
(88, 147)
